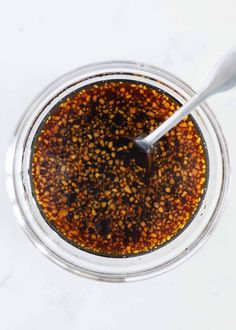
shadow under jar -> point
(82, 195)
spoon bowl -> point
(144, 152)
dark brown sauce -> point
(94, 192)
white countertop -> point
(40, 41)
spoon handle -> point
(173, 120)
(221, 78)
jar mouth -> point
(95, 266)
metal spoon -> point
(222, 78)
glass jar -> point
(108, 268)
